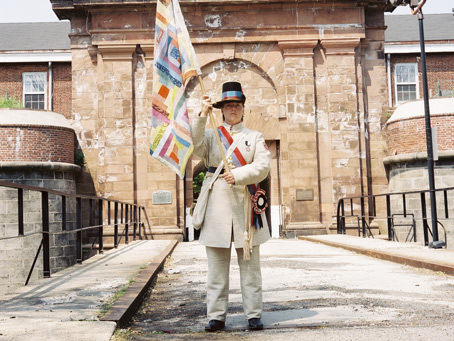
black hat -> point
(231, 92)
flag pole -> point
(215, 128)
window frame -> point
(416, 82)
(24, 93)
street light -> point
(416, 9)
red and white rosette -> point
(259, 201)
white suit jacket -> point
(224, 219)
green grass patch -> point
(106, 307)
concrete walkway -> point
(68, 305)
(412, 254)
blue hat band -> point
(232, 95)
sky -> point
(41, 10)
(430, 7)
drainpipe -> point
(137, 58)
(317, 142)
(49, 105)
(279, 188)
(370, 191)
(388, 72)
(360, 64)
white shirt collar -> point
(235, 128)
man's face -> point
(233, 112)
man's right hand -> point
(206, 105)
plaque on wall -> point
(162, 198)
(304, 195)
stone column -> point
(115, 121)
(375, 115)
(338, 128)
(299, 158)
(142, 88)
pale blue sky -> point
(41, 10)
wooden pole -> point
(215, 128)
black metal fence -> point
(89, 211)
(403, 209)
(445, 87)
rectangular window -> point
(406, 82)
(35, 90)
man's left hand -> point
(228, 177)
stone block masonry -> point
(36, 149)
(17, 254)
(412, 175)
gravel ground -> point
(311, 291)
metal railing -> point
(363, 210)
(118, 213)
(445, 87)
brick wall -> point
(439, 67)
(11, 81)
(36, 143)
(409, 135)
(62, 88)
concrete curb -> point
(126, 306)
(392, 257)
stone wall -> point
(17, 254)
(407, 166)
(408, 173)
(36, 149)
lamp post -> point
(416, 9)
(430, 161)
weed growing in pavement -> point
(105, 308)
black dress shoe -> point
(214, 326)
(255, 324)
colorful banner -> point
(175, 63)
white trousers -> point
(218, 282)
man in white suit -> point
(231, 214)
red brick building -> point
(406, 129)
(36, 146)
(402, 49)
(35, 65)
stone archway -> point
(262, 103)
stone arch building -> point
(313, 73)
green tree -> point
(9, 102)
(197, 183)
